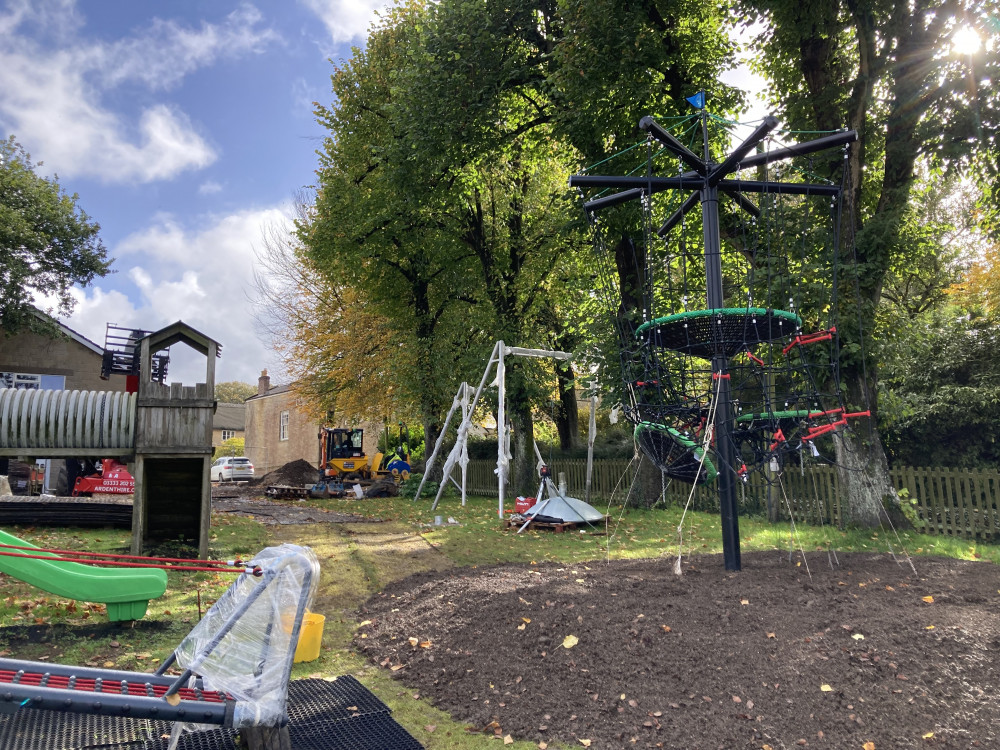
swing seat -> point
(722, 331)
(675, 454)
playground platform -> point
(338, 714)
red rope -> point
(32, 548)
(255, 570)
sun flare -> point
(965, 41)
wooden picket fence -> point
(950, 502)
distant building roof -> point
(230, 417)
(65, 329)
(273, 391)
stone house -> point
(279, 431)
(68, 361)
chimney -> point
(263, 383)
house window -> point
(228, 435)
(283, 426)
(20, 380)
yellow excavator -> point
(342, 459)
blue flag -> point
(697, 101)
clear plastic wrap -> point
(245, 643)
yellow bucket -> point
(310, 637)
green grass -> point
(479, 538)
(357, 560)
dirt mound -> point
(628, 654)
(293, 474)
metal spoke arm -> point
(731, 162)
(799, 149)
(690, 158)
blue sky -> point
(186, 128)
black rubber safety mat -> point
(330, 700)
(338, 714)
(31, 729)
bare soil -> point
(769, 657)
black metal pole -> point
(720, 370)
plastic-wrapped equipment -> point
(245, 643)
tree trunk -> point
(567, 415)
(864, 478)
(523, 478)
(650, 484)
(862, 466)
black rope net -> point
(775, 332)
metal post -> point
(502, 461)
(720, 367)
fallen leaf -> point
(858, 637)
(666, 628)
(928, 735)
(413, 641)
(430, 727)
(585, 743)
(869, 746)
(526, 619)
(744, 601)
(543, 746)
(508, 740)
(568, 642)
(522, 626)
(425, 644)
(771, 635)
(929, 627)
(928, 599)
(396, 667)
(352, 708)
(825, 688)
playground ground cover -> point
(484, 572)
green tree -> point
(377, 226)
(234, 392)
(493, 102)
(941, 393)
(887, 70)
(442, 193)
(47, 242)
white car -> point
(232, 469)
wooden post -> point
(265, 738)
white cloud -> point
(46, 93)
(201, 276)
(346, 20)
(162, 55)
(210, 187)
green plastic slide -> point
(125, 591)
